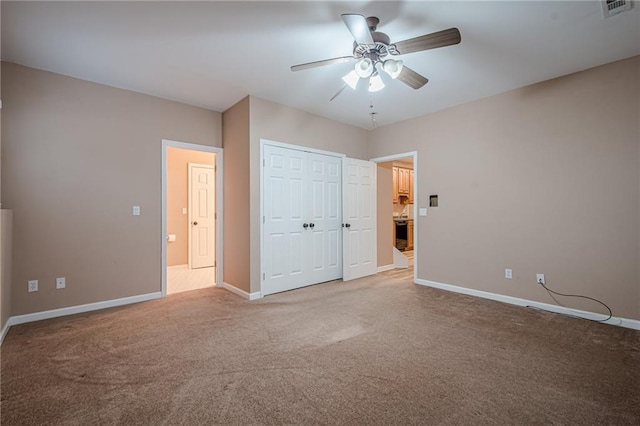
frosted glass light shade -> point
(364, 67)
(392, 67)
(375, 83)
(351, 79)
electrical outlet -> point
(540, 279)
(61, 283)
(136, 210)
(33, 286)
(508, 274)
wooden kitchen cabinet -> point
(404, 175)
(402, 184)
(410, 235)
(394, 173)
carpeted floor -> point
(373, 351)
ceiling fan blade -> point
(338, 92)
(429, 41)
(412, 78)
(358, 27)
(321, 63)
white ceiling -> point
(212, 54)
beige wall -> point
(235, 134)
(385, 214)
(77, 157)
(543, 179)
(279, 123)
(178, 198)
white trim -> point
(622, 322)
(416, 200)
(71, 310)
(235, 290)
(386, 267)
(219, 164)
(297, 148)
(5, 330)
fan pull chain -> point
(373, 115)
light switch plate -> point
(423, 211)
(136, 210)
(184, 210)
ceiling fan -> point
(371, 49)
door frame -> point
(414, 156)
(190, 167)
(264, 142)
(219, 177)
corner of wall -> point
(6, 217)
(235, 141)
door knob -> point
(195, 223)
(305, 225)
(347, 225)
(311, 225)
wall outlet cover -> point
(540, 279)
(508, 274)
(33, 286)
(61, 283)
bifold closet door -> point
(302, 207)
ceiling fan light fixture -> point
(364, 67)
(375, 83)
(392, 67)
(352, 79)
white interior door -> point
(284, 197)
(359, 217)
(202, 219)
(302, 205)
(325, 213)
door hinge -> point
(263, 276)
(263, 162)
(262, 219)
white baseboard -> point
(37, 316)
(235, 290)
(385, 268)
(5, 329)
(621, 322)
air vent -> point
(613, 7)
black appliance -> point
(401, 234)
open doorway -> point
(190, 225)
(397, 225)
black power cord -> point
(551, 293)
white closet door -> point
(285, 238)
(301, 189)
(359, 217)
(325, 213)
